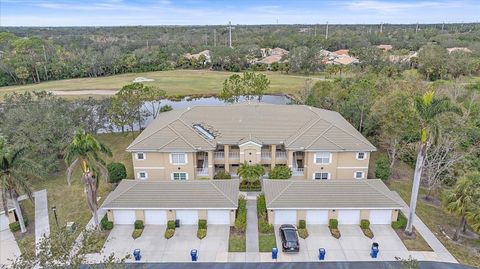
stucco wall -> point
(332, 214)
(171, 215)
(110, 215)
(343, 165)
(365, 214)
(140, 215)
(158, 166)
(233, 214)
(395, 215)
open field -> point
(176, 82)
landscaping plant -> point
(280, 172)
(170, 231)
(202, 228)
(365, 226)
(333, 226)
(302, 229)
(116, 172)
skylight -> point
(206, 133)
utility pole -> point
(147, 44)
(214, 37)
(416, 28)
(230, 34)
(315, 30)
(443, 25)
(45, 64)
(381, 27)
(326, 32)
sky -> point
(217, 12)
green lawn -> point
(266, 242)
(176, 82)
(70, 200)
(236, 241)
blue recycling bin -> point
(321, 254)
(194, 254)
(274, 253)
(374, 251)
(136, 254)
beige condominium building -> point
(320, 147)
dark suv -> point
(289, 236)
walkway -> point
(252, 225)
(42, 225)
(442, 253)
(9, 250)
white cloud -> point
(383, 6)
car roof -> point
(290, 234)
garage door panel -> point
(219, 217)
(381, 216)
(156, 217)
(348, 216)
(123, 216)
(317, 217)
(285, 217)
(187, 217)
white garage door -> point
(124, 216)
(187, 217)
(218, 217)
(3, 222)
(348, 216)
(285, 217)
(155, 217)
(380, 216)
(317, 217)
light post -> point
(54, 209)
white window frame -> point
(355, 175)
(322, 152)
(175, 153)
(364, 155)
(142, 178)
(172, 176)
(322, 172)
(144, 156)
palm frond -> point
(70, 170)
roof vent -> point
(203, 131)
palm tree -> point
(250, 173)
(85, 151)
(464, 201)
(428, 109)
(15, 169)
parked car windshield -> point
(290, 235)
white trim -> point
(355, 175)
(249, 142)
(171, 208)
(142, 178)
(328, 177)
(318, 152)
(364, 156)
(172, 177)
(146, 167)
(186, 158)
(352, 167)
(144, 156)
(331, 208)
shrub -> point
(202, 224)
(166, 108)
(280, 172)
(137, 233)
(139, 224)
(368, 233)
(302, 224)
(116, 172)
(250, 186)
(169, 233)
(106, 224)
(171, 224)
(382, 169)
(401, 222)
(364, 224)
(222, 175)
(333, 224)
(241, 219)
(15, 226)
(201, 233)
(261, 204)
(264, 226)
(303, 233)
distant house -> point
(270, 56)
(463, 49)
(342, 52)
(329, 57)
(385, 47)
(206, 53)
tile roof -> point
(328, 194)
(295, 126)
(142, 194)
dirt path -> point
(85, 92)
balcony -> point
(281, 155)
(234, 155)
(202, 172)
(298, 171)
(219, 155)
(266, 155)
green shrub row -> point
(106, 224)
(401, 222)
(222, 175)
(263, 225)
(241, 218)
(280, 172)
(247, 186)
(15, 226)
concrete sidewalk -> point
(252, 225)
(9, 250)
(42, 224)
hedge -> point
(382, 169)
(106, 224)
(171, 224)
(247, 186)
(139, 224)
(302, 224)
(15, 226)
(222, 175)
(116, 172)
(333, 224)
(202, 224)
(241, 219)
(401, 222)
(364, 224)
(280, 172)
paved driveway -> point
(352, 245)
(155, 248)
(8, 247)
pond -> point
(203, 101)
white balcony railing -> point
(280, 155)
(234, 155)
(219, 155)
(298, 171)
(202, 172)
(265, 155)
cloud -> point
(384, 6)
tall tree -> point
(250, 85)
(15, 170)
(464, 201)
(86, 152)
(429, 108)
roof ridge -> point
(332, 142)
(321, 134)
(179, 135)
(280, 193)
(132, 144)
(186, 125)
(303, 132)
(221, 192)
(367, 181)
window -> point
(359, 175)
(142, 175)
(140, 156)
(179, 176)
(321, 176)
(178, 158)
(361, 155)
(322, 158)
